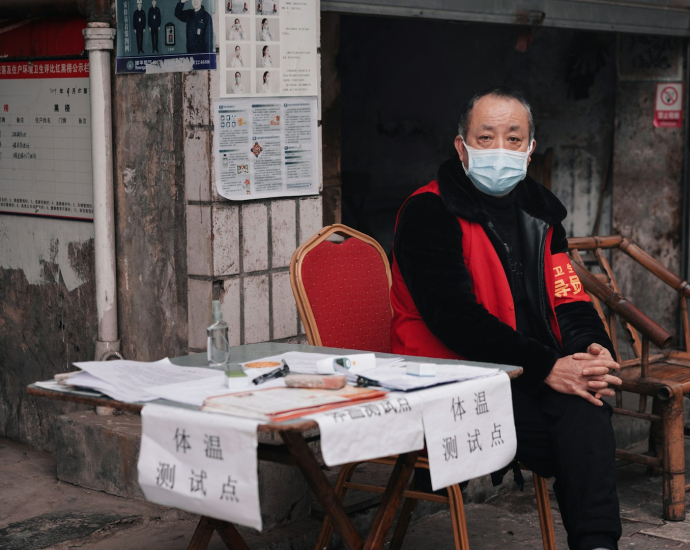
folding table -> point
(294, 450)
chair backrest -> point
(604, 290)
(342, 290)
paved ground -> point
(38, 511)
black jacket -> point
(199, 28)
(428, 251)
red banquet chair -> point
(341, 281)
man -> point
(139, 24)
(154, 24)
(480, 272)
(199, 26)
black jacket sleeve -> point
(579, 322)
(428, 251)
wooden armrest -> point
(592, 243)
(623, 307)
(656, 267)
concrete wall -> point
(403, 83)
(647, 177)
(47, 317)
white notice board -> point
(266, 147)
(268, 48)
(45, 139)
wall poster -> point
(156, 36)
(45, 139)
(266, 147)
(268, 48)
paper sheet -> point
(469, 429)
(305, 363)
(371, 430)
(195, 392)
(395, 377)
(202, 463)
(130, 381)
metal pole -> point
(99, 43)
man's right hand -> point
(575, 374)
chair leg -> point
(403, 521)
(327, 526)
(548, 537)
(457, 514)
(673, 457)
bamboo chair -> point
(355, 276)
(663, 376)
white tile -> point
(197, 173)
(256, 317)
(230, 306)
(254, 237)
(214, 85)
(199, 249)
(199, 297)
(283, 232)
(310, 217)
(284, 307)
(196, 108)
(215, 196)
(226, 239)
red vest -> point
(411, 336)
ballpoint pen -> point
(276, 373)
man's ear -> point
(460, 148)
(531, 152)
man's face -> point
(153, 3)
(196, 4)
(138, 5)
(496, 123)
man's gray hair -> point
(497, 91)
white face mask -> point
(266, 27)
(496, 172)
(237, 53)
(268, 80)
(237, 80)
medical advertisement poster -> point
(161, 36)
(268, 48)
(45, 139)
(266, 147)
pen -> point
(277, 373)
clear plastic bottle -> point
(218, 347)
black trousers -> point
(567, 437)
(154, 39)
(140, 41)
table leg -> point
(202, 535)
(390, 502)
(304, 459)
(227, 532)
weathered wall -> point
(47, 317)
(403, 83)
(647, 182)
(150, 215)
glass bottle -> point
(218, 347)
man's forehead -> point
(490, 111)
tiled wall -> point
(238, 252)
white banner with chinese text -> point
(200, 462)
(371, 430)
(469, 429)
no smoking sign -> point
(668, 111)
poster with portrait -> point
(268, 48)
(160, 36)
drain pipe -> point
(99, 43)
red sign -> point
(44, 69)
(668, 111)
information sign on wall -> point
(266, 147)
(668, 111)
(45, 139)
(268, 48)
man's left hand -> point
(599, 381)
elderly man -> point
(480, 272)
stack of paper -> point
(132, 381)
(395, 377)
(278, 404)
